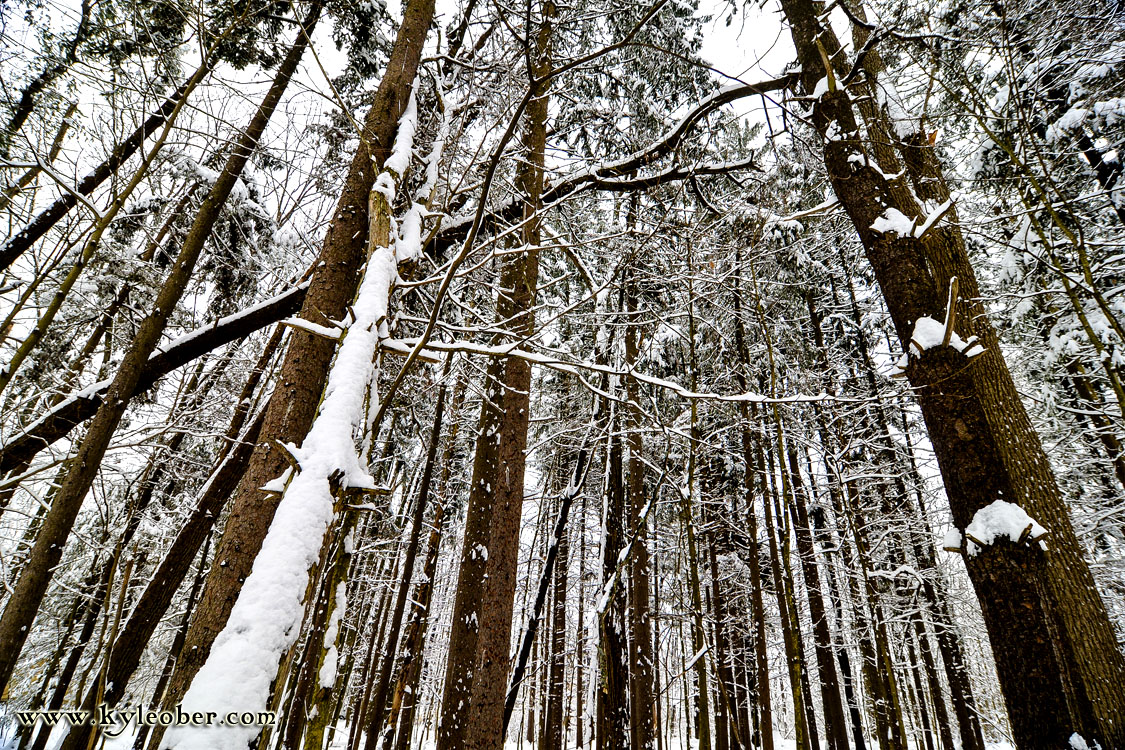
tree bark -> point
(1060, 668)
(642, 690)
(518, 281)
(292, 406)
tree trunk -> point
(1060, 668)
(835, 727)
(641, 674)
(518, 280)
(16, 621)
(552, 736)
(761, 659)
(292, 407)
(612, 727)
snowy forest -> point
(608, 374)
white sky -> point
(755, 46)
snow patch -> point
(894, 220)
(929, 333)
(1000, 520)
(1070, 120)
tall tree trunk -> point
(177, 644)
(835, 727)
(698, 640)
(933, 589)
(612, 727)
(726, 724)
(292, 407)
(752, 468)
(16, 621)
(641, 689)
(518, 280)
(1060, 667)
(553, 721)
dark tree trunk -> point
(835, 727)
(642, 691)
(1059, 665)
(612, 727)
(292, 406)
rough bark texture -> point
(641, 691)
(518, 281)
(292, 406)
(612, 708)
(553, 728)
(984, 441)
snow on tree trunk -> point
(266, 618)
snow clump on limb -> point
(1001, 520)
(929, 333)
(266, 617)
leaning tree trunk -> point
(292, 407)
(15, 623)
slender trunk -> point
(761, 659)
(390, 649)
(580, 641)
(793, 656)
(518, 281)
(552, 736)
(360, 714)
(698, 642)
(726, 724)
(612, 728)
(641, 675)
(177, 643)
(15, 623)
(835, 727)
